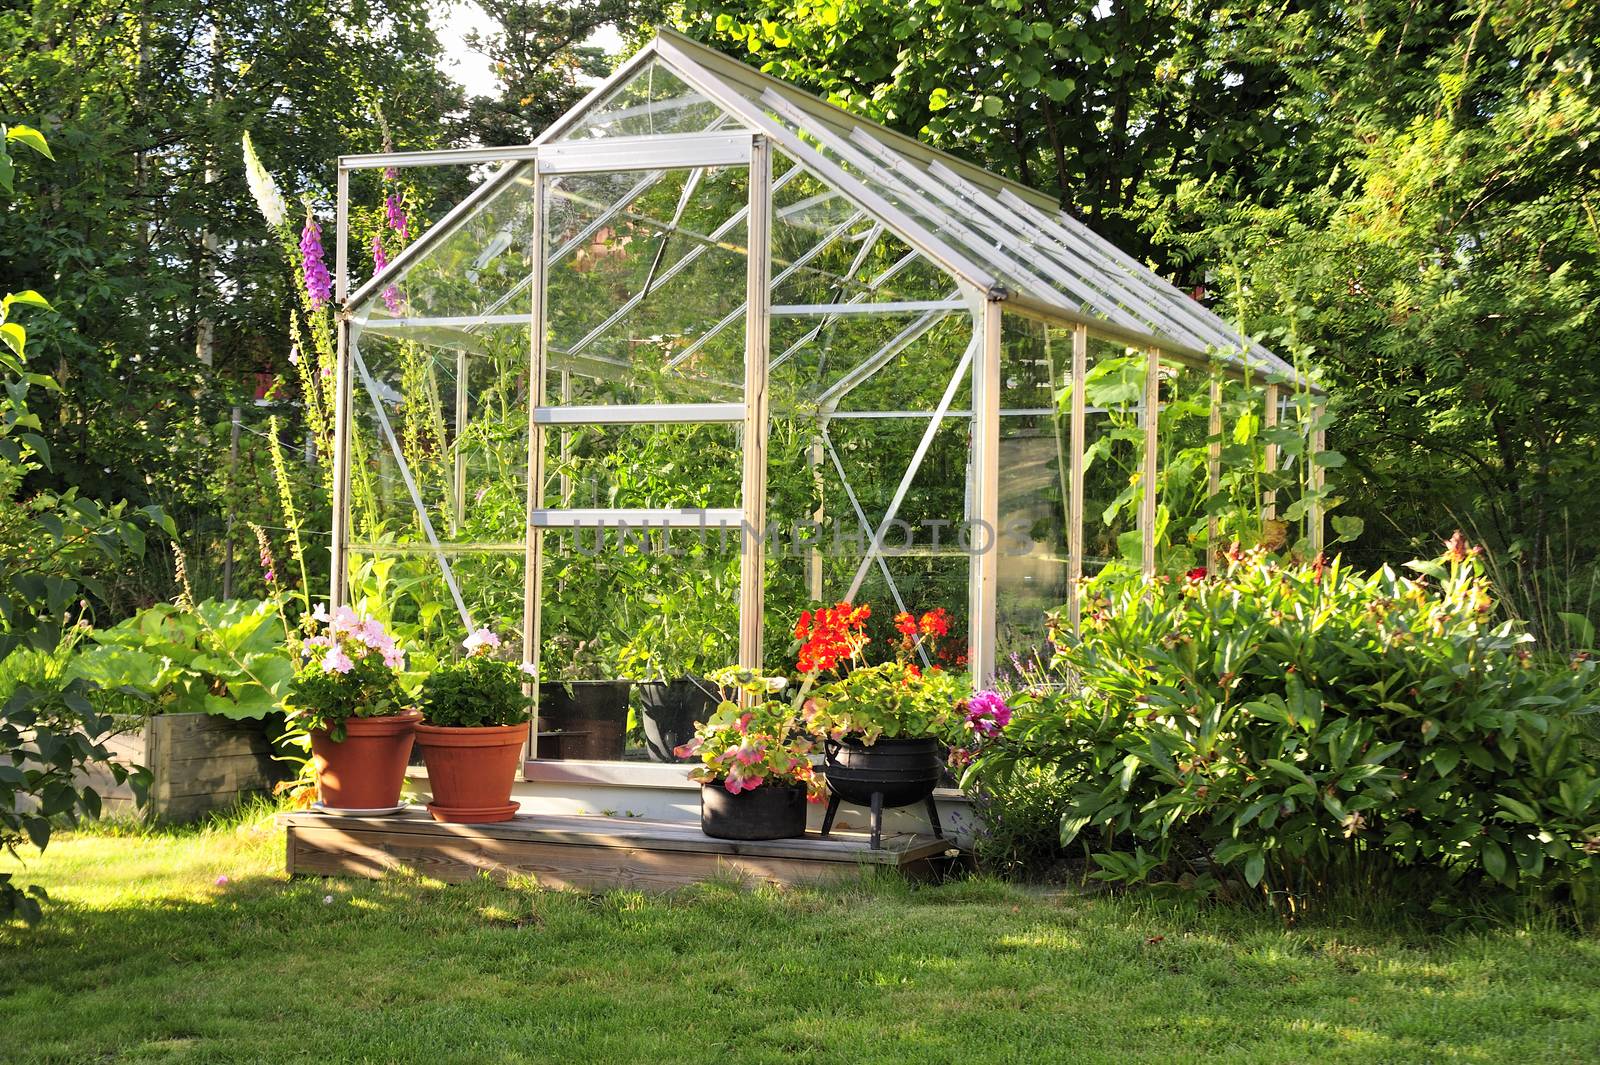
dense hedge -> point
(1304, 726)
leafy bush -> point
(478, 691)
(229, 659)
(1305, 726)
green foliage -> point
(50, 737)
(762, 742)
(56, 549)
(474, 692)
(231, 659)
(1303, 727)
(893, 699)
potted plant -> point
(669, 654)
(755, 773)
(475, 718)
(885, 726)
(346, 693)
(583, 714)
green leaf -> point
(1494, 859)
(1255, 867)
(938, 99)
(31, 137)
(992, 106)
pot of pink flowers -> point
(755, 771)
(346, 693)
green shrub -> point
(230, 658)
(1307, 728)
(475, 692)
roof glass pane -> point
(655, 100)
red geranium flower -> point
(1196, 574)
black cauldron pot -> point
(894, 771)
(770, 811)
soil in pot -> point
(592, 716)
(770, 811)
(470, 771)
(365, 770)
(670, 709)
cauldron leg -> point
(933, 817)
(827, 818)
(877, 820)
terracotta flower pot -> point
(367, 768)
(471, 770)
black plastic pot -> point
(670, 709)
(891, 772)
(590, 716)
(766, 812)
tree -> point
(55, 550)
(169, 291)
(544, 56)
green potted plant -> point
(755, 769)
(475, 717)
(346, 693)
(583, 710)
(669, 655)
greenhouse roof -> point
(1005, 240)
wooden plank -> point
(634, 833)
(203, 776)
(334, 851)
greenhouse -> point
(712, 350)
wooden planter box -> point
(198, 763)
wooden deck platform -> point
(584, 853)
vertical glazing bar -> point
(1080, 370)
(1151, 409)
(339, 526)
(757, 340)
(985, 534)
(1213, 466)
(1269, 420)
(1316, 475)
(532, 583)
(566, 442)
(458, 501)
(814, 556)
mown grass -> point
(145, 957)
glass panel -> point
(644, 466)
(463, 440)
(646, 285)
(825, 249)
(1035, 443)
(655, 100)
(1035, 468)
(623, 611)
(408, 591)
(479, 268)
(1113, 459)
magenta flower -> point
(319, 284)
(396, 212)
(380, 259)
(987, 713)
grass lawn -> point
(144, 957)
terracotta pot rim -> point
(437, 730)
(478, 736)
(377, 725)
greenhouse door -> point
(647, 437)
